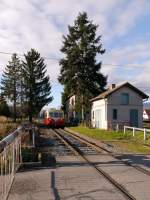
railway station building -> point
(118, 106)
(70, 107)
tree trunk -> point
(30, 117)
(82, 109)
(14, 110)
(30, 112)
(30, 107)
(14, 101)
(82, 114)
(21, 99)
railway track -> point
(50, 142)
(84, 149)
(107, 151)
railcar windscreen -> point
(56, 114)
(51, 114)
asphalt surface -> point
(73, 179)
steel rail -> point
(97, 148)
(66, 144)
(86, 148)
(138, 168)
(99, 170)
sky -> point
(123, 24)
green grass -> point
(146, 125)
(125, 141)
(133, 147)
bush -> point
(4, 109)
(3, 119)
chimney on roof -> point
(112, 86)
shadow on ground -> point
(136, 159)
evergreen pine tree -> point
(64, 98)
(36, 83)
(10, 82)
(80, 72)
(4, 108)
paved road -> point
(73, 179)
(137, 183)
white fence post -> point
(133, 131)
(145, 134)
(138, 129)
(117, 127)
(124, 129)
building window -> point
(124, 98)
(115, 114)
(93, 114)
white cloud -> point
(40, 24)
(134, 66)
(127, 16)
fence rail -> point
(144, 130)
(10, 158)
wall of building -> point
(115, 98)
(114, 101)
(99, 105)
(70, 107)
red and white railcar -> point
(54, 119)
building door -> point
(98, 118)
(134, 117)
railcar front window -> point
(56, 114)
(51, 114)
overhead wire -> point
(104, 64)
(58, 59)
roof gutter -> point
(146, 99)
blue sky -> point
(40, 24)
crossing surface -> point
(74, 178)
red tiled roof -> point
(147, 111)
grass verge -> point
(125, 142)
(6, 128)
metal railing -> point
(144, 130)
(10, 159)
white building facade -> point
(70, 107)
(118, 106)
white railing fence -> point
(144, 130)
(10, 159)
